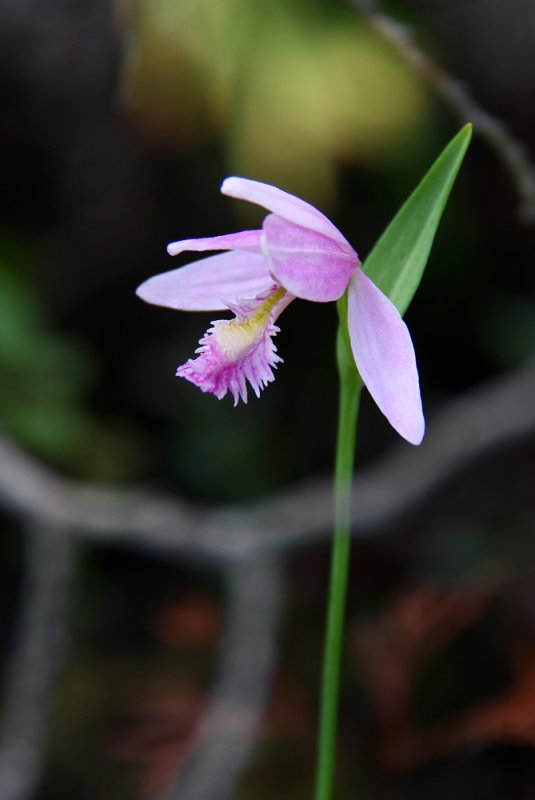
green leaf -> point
(397, 262)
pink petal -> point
(384, 355)
(244, 240)
(285, 205)
(209, 284)
(308, 264)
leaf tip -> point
(465, 135)
(467, 130)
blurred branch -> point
(512, 153)
(226, 735)
(483, 420)
(34, 665)
(244, 542)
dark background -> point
(119, 122)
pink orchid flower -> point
(298, 253)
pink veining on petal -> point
(308, 264)
(384, 355)
(210, 283)
(284, 204)
(243, 240)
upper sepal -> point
(285, 205)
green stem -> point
(350, 386)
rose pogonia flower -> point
(298, 253)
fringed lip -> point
(239, 352)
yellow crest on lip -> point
(236, 336)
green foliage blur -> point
(46, 379)
(293, 88)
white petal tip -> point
(172, 249)
(226, 186)
(416, 435)
(408, 421)
(142, 293)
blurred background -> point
(119, 122)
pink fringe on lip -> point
(212, 372)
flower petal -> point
(285, 205)
(234, 352)
(384, 355)
(209, 284)
(244, 240)
(212, 373)
(308, 264)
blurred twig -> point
(512, 153)
(35, 662)
(483, 420)
(226, 734)
(242, 542)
